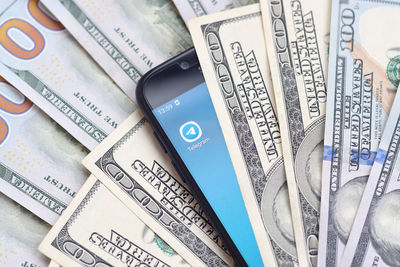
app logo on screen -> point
(190, 131)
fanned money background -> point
(305, 93)
(53, 52)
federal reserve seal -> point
(393, 71)
(164, 246)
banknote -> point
(375, 236)
(195, 8)
(21, 233)
(53, 264)
(239, 3)
(235, 66)
(44, 62)
(297, 34)
(363, 77)
(127, 38)
(39, 162)
(136, 169)
(86, 234)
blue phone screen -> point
(191, 124)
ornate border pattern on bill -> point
(133, 166)
(235, 66)
(86, 234)
(360, 95)
(374, 239)
(296, 34)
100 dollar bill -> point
(196, 8)
(135, 168)
(43, 61)
(375, 237)
(39, 162)
(86, 234)
(235, 66)
(363, 77)
(127, 38)
(239, 3)
(297, 34)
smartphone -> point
(175, 100)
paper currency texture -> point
(21, 233)
(363, 51)
(196, 8)
(53, 264)
(126, 38)
(39, 162)
(86, 234)
(239, 3)
(297, 41)
(136, 169)
(235, 65)
(44, 62)
(374, 239)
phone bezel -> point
(157, 76)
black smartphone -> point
(175, 100)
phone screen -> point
(191, 124)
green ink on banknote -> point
(393, 70)
(164, 246)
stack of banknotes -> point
(303, 91)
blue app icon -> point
(190, 131)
